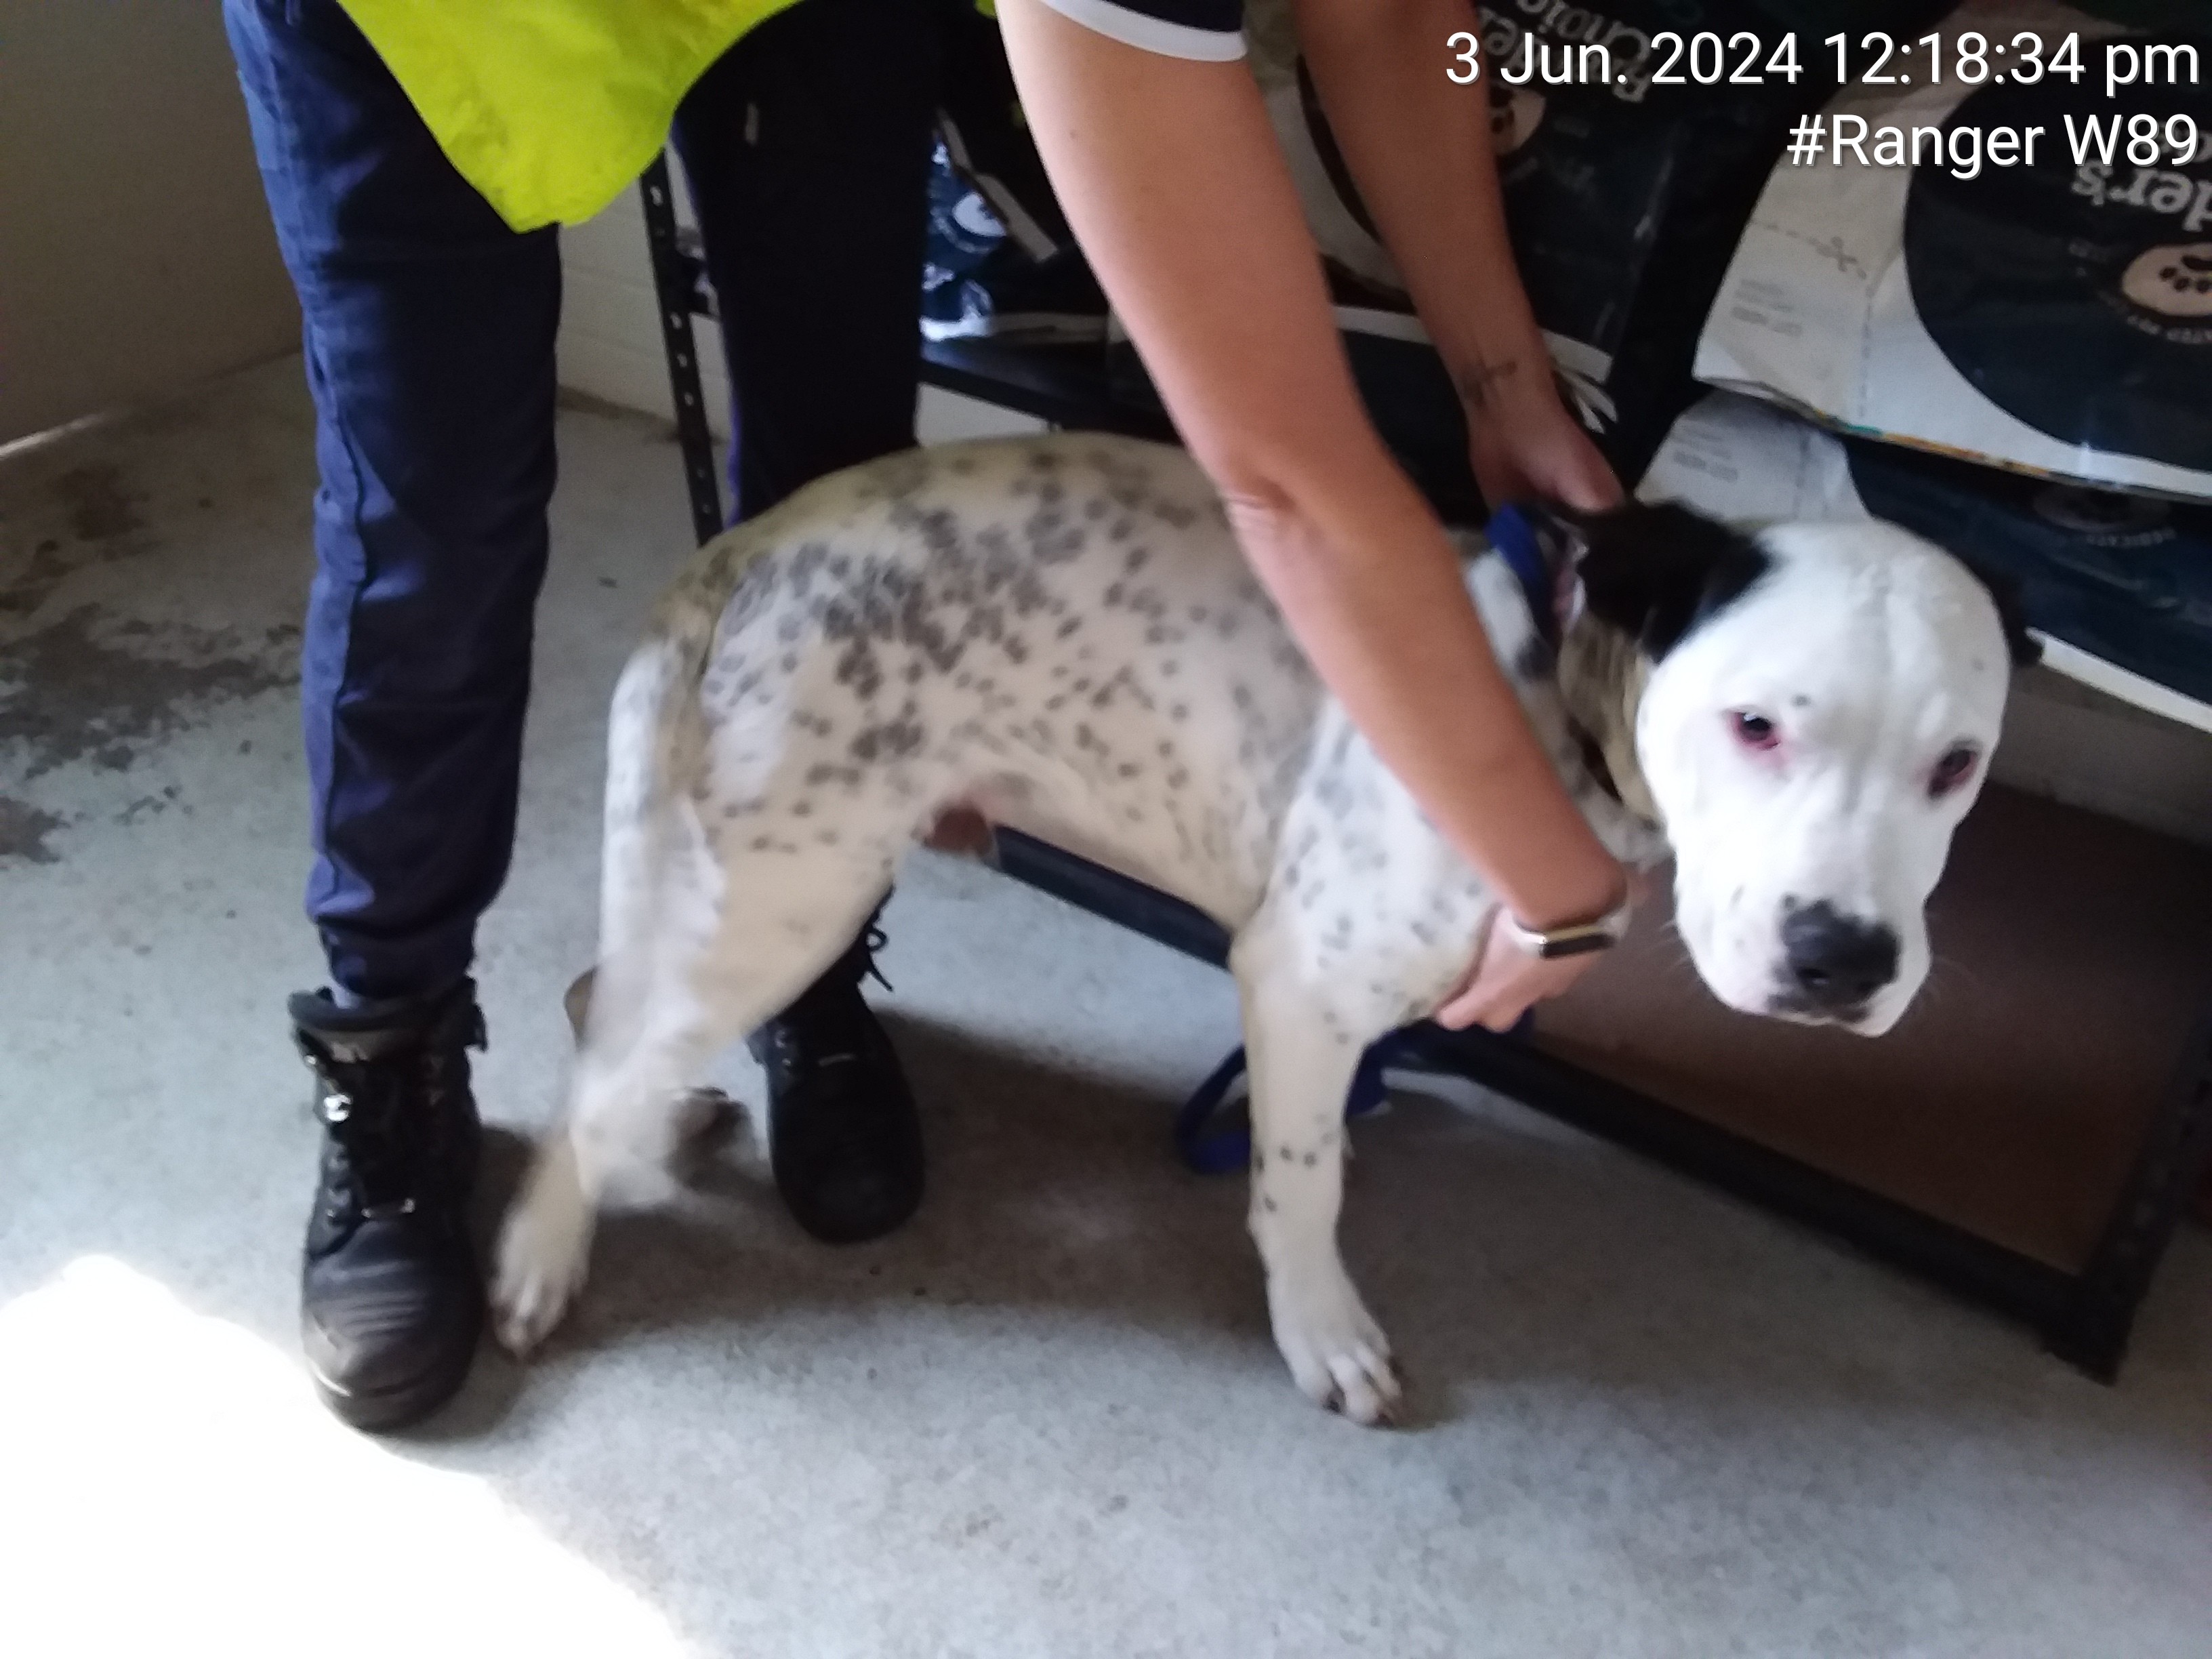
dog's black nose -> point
(1836, 963)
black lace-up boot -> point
(843, 1136)
(391, 1302)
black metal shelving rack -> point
(2084, 1318)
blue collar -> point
(1515, 538)
(1516, 542)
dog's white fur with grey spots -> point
(1062, 633)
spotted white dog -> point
(1062, 633)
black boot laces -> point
(818, 1031)
(385, 1118)
(871, 940)
(819, 1025)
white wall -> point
(610, 343)
(2067, 742)
(610, 333)
(136, 253)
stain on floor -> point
(86, 515)
(149, 806)
(124, 621)
(23, 831)
(90, 687)
(99, 507)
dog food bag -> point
(2116, 585)
(1587, 172)
(1623, 193)
(2044, 309)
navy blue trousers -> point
(429, 338)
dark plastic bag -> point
(2044, 307)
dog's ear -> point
(1654, 572)
(2025, 649)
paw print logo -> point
(2174, 281)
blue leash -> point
(1514, 539)
(1212, 1139)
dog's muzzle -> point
(1833, 965)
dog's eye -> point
(1753, 731)
(1953, 770)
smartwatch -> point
(1574, 939)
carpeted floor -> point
(1046, 1420)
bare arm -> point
(1419, 148)
(1171, 178)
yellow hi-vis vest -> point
(551, 108)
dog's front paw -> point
(1337, 1352)
(543, 1251)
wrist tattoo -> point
(1477, 385)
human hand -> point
(1530, 447)
(1506, 981)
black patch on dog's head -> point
(1658, 571)
(2024, 649)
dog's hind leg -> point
(778, 921)
(1303, 1046)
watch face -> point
(2076, 298)
(1577, 944)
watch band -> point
(1575, 939)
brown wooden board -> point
(2073, 975)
